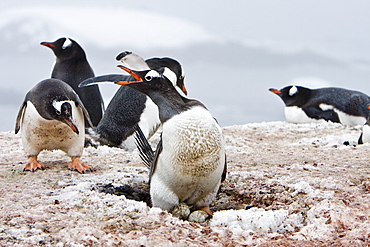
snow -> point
(287, 184)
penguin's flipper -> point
(316, 113)
(19, 116)
(360, 140)
(113, 78)
(223, 176)
(146, 152)
(147, 155)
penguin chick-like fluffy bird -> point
(130, 107)
(338, 105)
(190, 160)
(52, 117)
(72, 67)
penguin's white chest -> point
(294, 114)
(366, 134)
(193, 154)
(41, 134)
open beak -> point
(47, 44)
(70, 123)
(132, 73)
(275, 91)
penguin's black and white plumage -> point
(365, 134)
(338, 105)
(130, 107)
(72, 67)
(190, 159)
(52, 117)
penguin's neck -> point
(169, 104)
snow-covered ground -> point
(287, 184)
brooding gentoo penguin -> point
(128, 106)
(338, 105)
(72, 67)
(52, 117)
(190, 159)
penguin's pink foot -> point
(32, 164)
(207, 210)
(77, 165)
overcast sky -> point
(338, 27)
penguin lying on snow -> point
(72, 67)
(338, 105)
(128, 106)
(52, 117)
(190, 161)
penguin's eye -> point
(148, 78)
(151, 74)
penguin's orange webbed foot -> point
(77, 165)
(33, 164)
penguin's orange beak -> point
(132, 73)
(275, 91)
(47, 44)
(71, 125)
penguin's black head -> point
(136, 63)
(293, 95)
(62, 111)
(173, 65)
(161, 80)
(65, 49)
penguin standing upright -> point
(190, 161)
(338, 105)
(72, 67)
(130, 107)
(52, 117)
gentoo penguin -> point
(190, 158)
(128, 106)
(52, 117)
(365, 134)
(338, 105)
(72, 67)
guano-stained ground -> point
(287, 185)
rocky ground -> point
(287, 185)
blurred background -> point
(232, 51)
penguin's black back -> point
(349, 101)
(121, 116)
(72, 67)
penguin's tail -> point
(146, 152)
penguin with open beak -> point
(190, 162)
(130, 107)
(52, 117)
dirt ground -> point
(317, 188)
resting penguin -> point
(72, 67)
(52, 117)
(128, 106)
(338, 105)
(189, 161)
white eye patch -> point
(67, 43)
(58, 105)
(170, 76)
(293, 90)
(151, 74)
